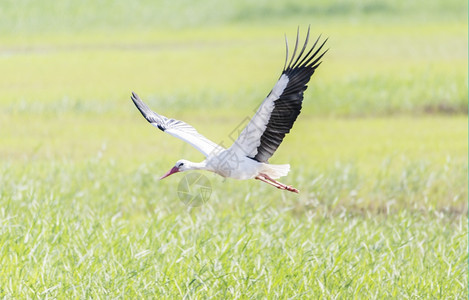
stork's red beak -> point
(172, 171)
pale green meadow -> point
(379, 153)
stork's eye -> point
(181, 164)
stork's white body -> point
(236, 165)
(248, 157)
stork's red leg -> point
(279, 185)
(286, 187)
(261, 178)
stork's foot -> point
(292, 189)
(279, 185)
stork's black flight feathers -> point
(276, 115)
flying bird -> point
(248, 157)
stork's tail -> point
(276, 171)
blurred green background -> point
(379, 151)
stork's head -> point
(180, 166)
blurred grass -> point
(358, 163)
(27, 16)
(395, 73)
(324, 140)
(379, 151)
(69, 230)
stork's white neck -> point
(189, 165)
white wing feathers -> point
(176, 128)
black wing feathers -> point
(288, 106)
(147, 113)
(160, 121)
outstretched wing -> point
(176, 128)
(277, 113)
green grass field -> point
(379, 152)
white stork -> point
(248, 157)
